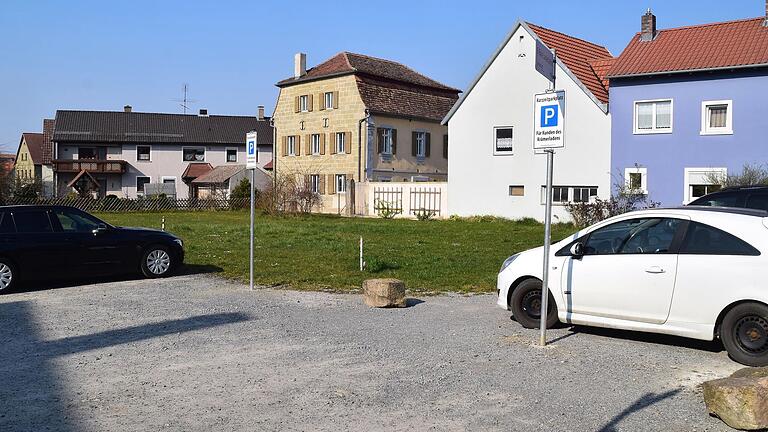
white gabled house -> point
(492, 165)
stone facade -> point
(300, 113)
(25, 168)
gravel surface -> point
(201, 353)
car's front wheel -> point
(157, 261)
(526, 305)
(744, 333)
(8, 276)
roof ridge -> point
(567, 35)
(154, 113)
(712, 24)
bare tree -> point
(750, 175)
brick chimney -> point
(127, 108)
(648, 26)
(299, 65)
(261, 112)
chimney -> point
(299, 65)
(261, 112)
(127, 108)
(765, 21)
(648, 26)
(203, 112)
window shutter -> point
(308, 144)
(335, 100)
(322, 143)
(445, 146)
(322, 184)
(297, 147)
(307, 182)
(296, 104)
(321, 98)
(380, 138)
(285, 146)
(332, 144)
(309, 102)
(428, 144)
(347, 143)
(394, 141)
(414, 146)
(331, 184)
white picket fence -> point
(406, 199)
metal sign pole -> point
(547, 238)
(253, 180)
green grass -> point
(321, 252)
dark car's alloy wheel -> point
(157, 262)
(526, 305)
(744, 333)
(6, 276)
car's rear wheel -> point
(8, 275)
(526, 305)
(744, 333)
(157, 261)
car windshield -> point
(725, 199)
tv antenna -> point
(185, 101)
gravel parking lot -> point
(200, 353)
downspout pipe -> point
(360, 144)
(274, 151)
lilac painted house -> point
(687, 103)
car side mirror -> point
(577, 250)
(100, 229)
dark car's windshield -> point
(720, 199)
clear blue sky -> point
(105, 54)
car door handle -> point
(655, 270)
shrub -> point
(750, 175)
(625, 200)
(424, 214)
(386, 210)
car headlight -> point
(508, 261)
(179, 242)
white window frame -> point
(688, 185)
(314, 144)
(556, 203)
(328, 100)
(290, 145)
(421, 144)
(341, 183)
(654, 129)
(137, 184)
(150, 153)
(340, 143)
(314, 183)
(496, 152)
(226, 154)
(387, 136)
(705, 129)
(205, 153)
(304, 103)
(643, 171)
(572, 196)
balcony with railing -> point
(95, 166)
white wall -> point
(479, 181)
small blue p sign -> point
(549, 115)
(251, 148)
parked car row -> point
(53, 242)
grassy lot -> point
(318, 252)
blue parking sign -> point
(549, 115)
(251, 148)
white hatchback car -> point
(698, 272)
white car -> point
(697, 272)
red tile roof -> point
(268, 165)
(709, 46)
(601, 68)
(349, 63)
(402, 101)
(578, 55)
(195, 170)
(35, 145)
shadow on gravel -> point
(655, 338)
(186, 270)
(644, 402)
(411, 302)
(33, 391)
